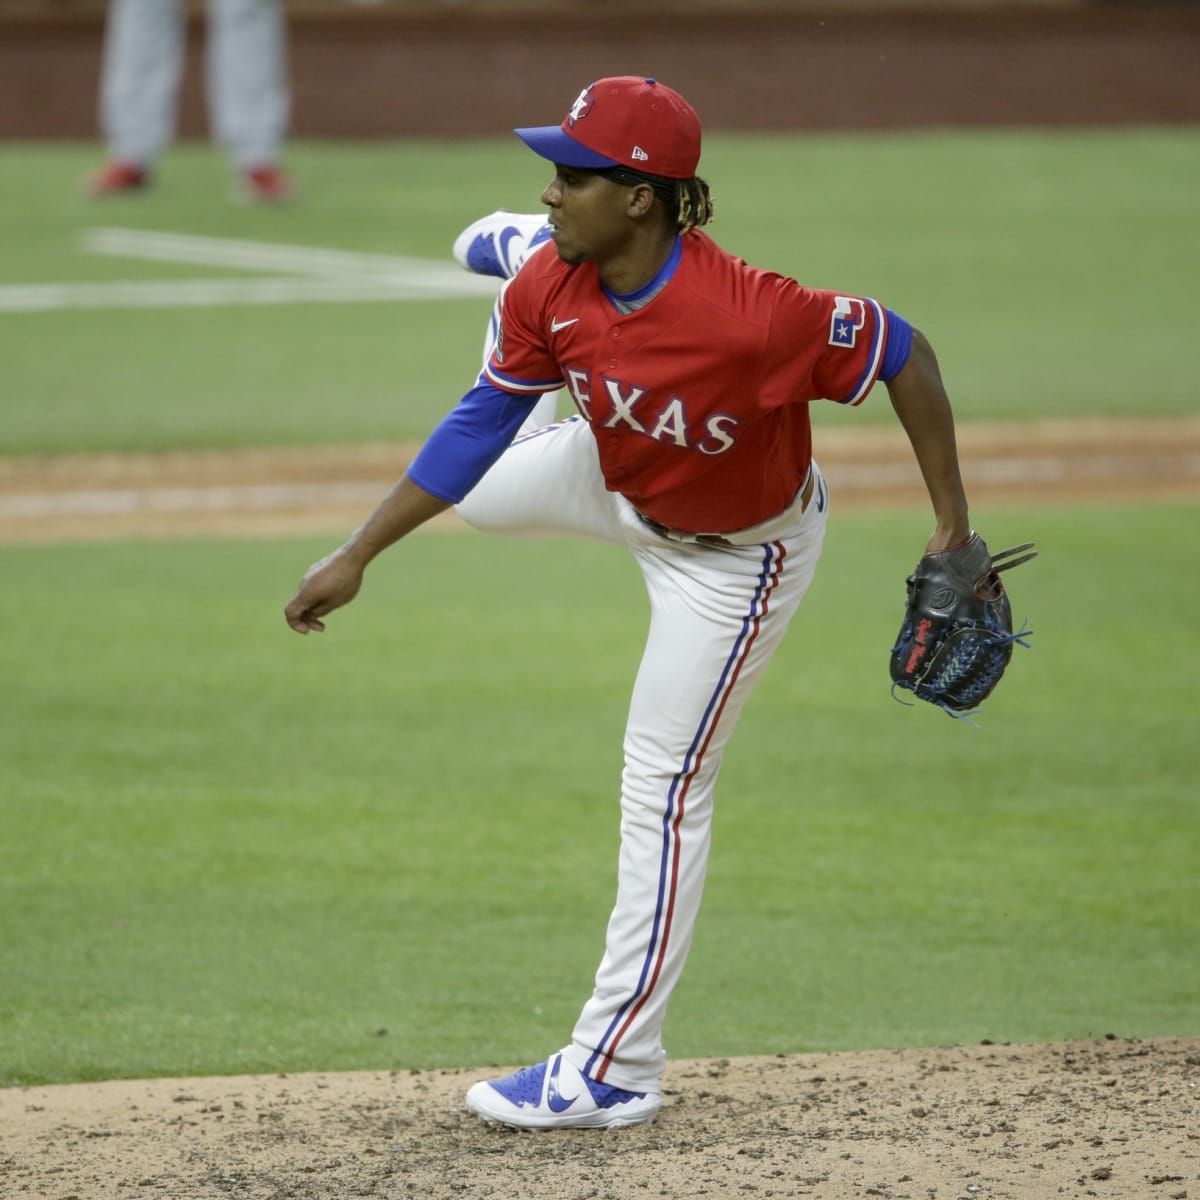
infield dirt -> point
(331, 490)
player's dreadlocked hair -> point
(695, 203)
(688, 199)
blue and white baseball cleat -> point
(500, 242)
(554, 1095)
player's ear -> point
(640, 201)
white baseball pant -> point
(717, 615)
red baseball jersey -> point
(699, 400)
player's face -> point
(588, 214)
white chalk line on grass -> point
(300, 275)
(209, 293)
(271, 256)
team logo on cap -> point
(582, 106)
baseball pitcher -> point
(691, 375)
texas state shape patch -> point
(849, 316)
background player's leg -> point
(718, 616)
(139, 86)
(247, 79)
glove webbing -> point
(997, 565)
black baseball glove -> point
(957, 636)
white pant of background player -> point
(717, 615)
(246, 69)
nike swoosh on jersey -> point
(554, 1100)
(556, 324)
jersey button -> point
(612, 362)
(616, 331)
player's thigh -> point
(717, 618)
(547, 482)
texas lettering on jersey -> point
(689, 396)
(624, 407)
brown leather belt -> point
(716, 539)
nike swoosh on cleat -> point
(554, 1100)
(556, 324)
(506, 236)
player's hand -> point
(326, 585)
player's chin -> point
(571, 255)
(574, 257)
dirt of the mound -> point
(1112, 1118)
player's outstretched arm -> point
(337, 578)
(453, 460)
(921, 403)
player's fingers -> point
(306, 622)
(304, 617)
(297, 621)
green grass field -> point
(228, 849)
(1051, 271)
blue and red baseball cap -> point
(626, 121)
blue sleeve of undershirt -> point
(898, 348)
(468, 441)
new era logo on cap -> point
(629, 121)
